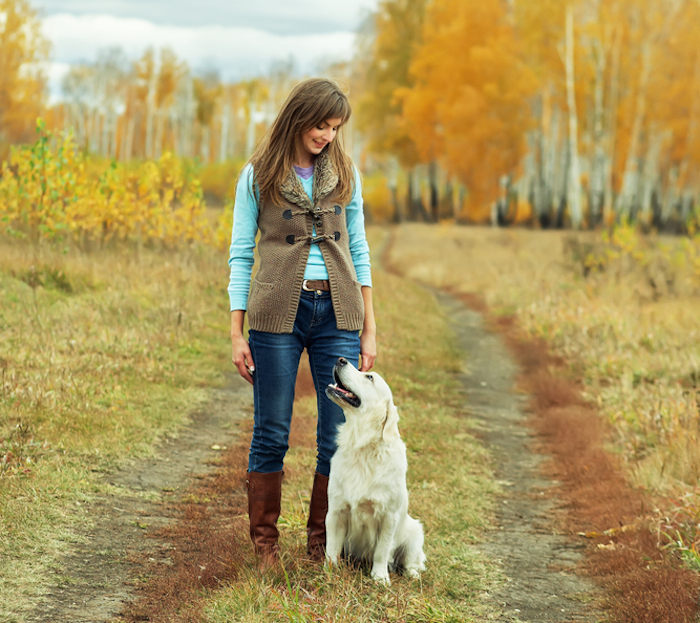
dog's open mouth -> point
(339, 391)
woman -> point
(312, 291)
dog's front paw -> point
(381, 576)
(414, 574)
(330, 562)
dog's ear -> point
(390, 431)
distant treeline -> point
(559, 113)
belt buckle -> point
(306, 288)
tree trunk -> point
(115, 136)
(650, 177)
(598, 166)
(393, 183)
(250, 133)
(449, 200)
(434, 194)
(686, 181)
(559, 219)
(204, 147)
(187, 120)
(416, 209)
(104, 147)
(129, 140)
(223, 142)
(410, 189)
(150, 112)
(160, 133)
(552, 177)
(612, 129)
(574, 194)
(629, 194)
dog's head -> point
(365, 397)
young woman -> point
(312, 291)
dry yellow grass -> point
(624, 312)
(100, 356)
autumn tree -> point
(388, 41)
(469, 105)
(95, 95)
(207, 91)
(23, 49)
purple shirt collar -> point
(304, 172)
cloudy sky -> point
(238, 38)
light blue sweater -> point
(245, 229)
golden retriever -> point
(367, 496)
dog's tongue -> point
(342, 390)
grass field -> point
(101, 355)
(623, 310)
(104, 354)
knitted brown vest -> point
(286, 236)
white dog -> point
(367, 497)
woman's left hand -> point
(368, 350)
(368, 337)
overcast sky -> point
(239, 38)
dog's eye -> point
(370, 377)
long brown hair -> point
(310, 103)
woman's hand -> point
(368, 350)
(241, 356)
(368, 337)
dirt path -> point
(93, 584)
(538, 562)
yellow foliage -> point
(224, 226)
(50, 190)
(219, 179)
(386, 70)
(377, 198)
(23, 49)
(468, 105)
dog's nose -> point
(342, 361)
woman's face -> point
(314, 140)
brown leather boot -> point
(264, 505)
(316, 526)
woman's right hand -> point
(241, 356)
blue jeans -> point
(276, 357)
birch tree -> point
(574, 185)
(653, 23)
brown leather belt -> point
(319, 285)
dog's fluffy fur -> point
(367, 497)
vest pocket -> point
(261, 297)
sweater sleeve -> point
(359, 249)
(242, 250)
